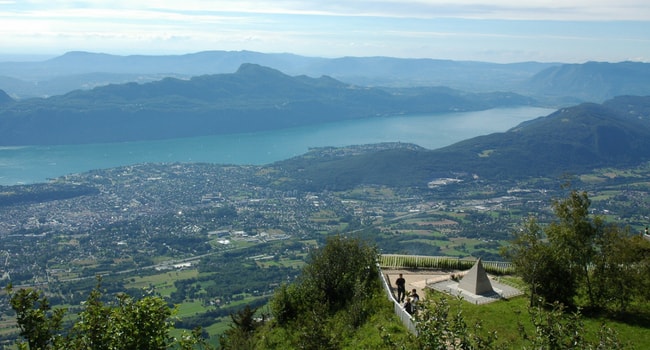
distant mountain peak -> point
(5, 98)
(80, 54)
(592, 81)
(253, 68)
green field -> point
(162, 283)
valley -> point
(211, 238)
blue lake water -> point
(38, 163)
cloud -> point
(602, 10)
(417, 28)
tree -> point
(343, 270)
(142, 324)
(332, 295)
(535, 261)
(574, 237)
(38, 323)
(578, 254)
(342, 266)
(240, 334)
(130, 324)
(621, 268)
(92, 328)
(285, 303)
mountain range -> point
(85, 70)
(255, 98)
(569, 141)
(556, 83)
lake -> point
(30, 164)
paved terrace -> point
(441, 281)
(417, 279)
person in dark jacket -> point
(401, 288)
(408, 306)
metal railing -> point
(407, 320)
(397, 261)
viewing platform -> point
(446, 275)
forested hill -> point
(255, 98)
(570, 141)
(591, 81)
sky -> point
(503, 31)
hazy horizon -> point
(500, 31)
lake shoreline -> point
(36, 164)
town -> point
(189, 223)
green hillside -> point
(570, 141)
(591, 81)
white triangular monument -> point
(476, 280)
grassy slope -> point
(383, 330)
(503, 317)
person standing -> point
(401, 288)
